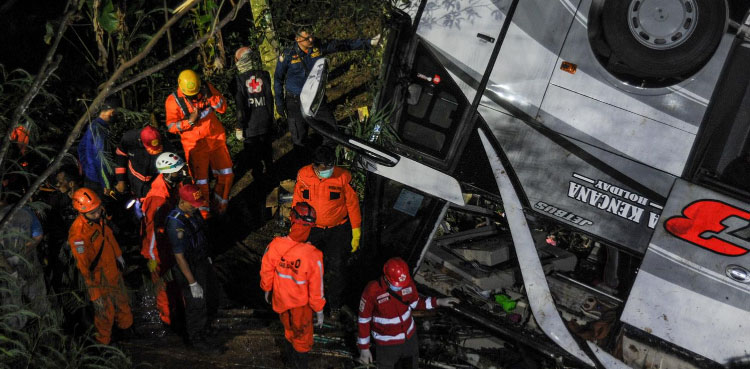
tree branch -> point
(184, 51)
(105, 91)
(45, 71)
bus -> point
(587, 160)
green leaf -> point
(108, 17)
(48, 34)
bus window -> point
(433, 108)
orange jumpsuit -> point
(294, 272)
(155, 245)
(333, 199)
(204, 143)
(103, 280)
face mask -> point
(325, 173)
(394, 288)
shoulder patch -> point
(281, 58)
(362, 304)
(406, 291)
(180, 233)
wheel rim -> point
(662, 24)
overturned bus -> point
(585, 159)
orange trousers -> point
(114, 306)
(220, 162)
(298, 327)
(168, 295)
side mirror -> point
(314, 89)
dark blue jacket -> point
(187, 235)
(294, 64)
(92, 149)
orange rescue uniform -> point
(155, 245)
(294, 272)
(333, 199)
(104, 280)
(205, 142)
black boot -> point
(300, 360)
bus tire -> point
(645, 60)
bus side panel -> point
(588, 197)
(683, 293)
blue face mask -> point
(327, 173)
(394, 288)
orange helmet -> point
(396, 272)
(85, 200)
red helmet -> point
(304, 214)
(396, 272)
(85, 200)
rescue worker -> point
(187, 232)
(337, 228)
(160, 200)
(20, 136)
(100, 262)
(135, 157)
(94, 150)
(291, 274)
(191, 113)
(254, 100)
(57, 223)
(18, 259)
(291, 72)
(385, 311)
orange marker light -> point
(436, 79)
(568, 67)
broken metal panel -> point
(684, 292)
(534, 279)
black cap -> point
(109, 103)
(324, 155)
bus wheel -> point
(663, 38)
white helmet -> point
(169, 162)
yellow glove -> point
(356, 234)
(151, 265)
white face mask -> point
(326, 173)
(394, 288)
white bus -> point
(617, 127)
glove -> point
(268, 297)
(321, 319)
(375, 40)
(120, 186)
(356, 235)
(447, 301)
(98, 304)
(239, 134)
(196, 290)
(120, 263)
(365, 356)
(281, 110)
(152, 264)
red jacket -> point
(207, 133)
(388, 319)
(333, 198)
(86, 238)
(294, 271)
(156, 206)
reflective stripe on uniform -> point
(219, 105)
(428, 303)
(400, 336)
(151, 246)
(201, 182)
(364, 320)
(220, 199)
(395, 320)
(320, 269)
(363, 341)
(287, 276)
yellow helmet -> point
(189, 82)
